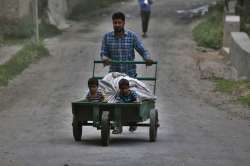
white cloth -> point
(109, 85)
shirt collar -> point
(125, 33)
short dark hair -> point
(123, 82)
(92, 81)
(118, 15)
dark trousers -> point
(145, 16)
(226, 5)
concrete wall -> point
(240, 53)
(72, 4)
(9, 9)
(12, 10)
(231, 24)
(57, 12)
(25, 8)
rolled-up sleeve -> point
(104, 49)
(139, 47)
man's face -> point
(118, 25)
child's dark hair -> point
(92, 81)
(123, 82)
(118, 15)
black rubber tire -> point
(105, 128)
(153, 125)
(77, 132)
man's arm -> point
(104, 51)
(139, 47)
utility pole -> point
(36, 20)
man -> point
(145, 6)
(119, 45)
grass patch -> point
(13, 33)
(28, 54)
(244, 100)
(89, 6)
(227, 86)
(209, 33)
(239, 89)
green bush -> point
(28, 54)
(209, 33)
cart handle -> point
(126, 62)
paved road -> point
(35, 115)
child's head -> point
(124, 86)
(93, 85)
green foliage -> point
(209, 33)
(244, 100)
(226, 85)
(241, 88)
(28, 54)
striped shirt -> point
(122, 49)
(132, 97)
(98, 97)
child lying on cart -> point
(125, 95)
(94, 95)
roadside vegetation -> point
(238, 89)
(209, 32)
(89, 6)
(28, 54)
(24, 30)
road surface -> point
(35, 109)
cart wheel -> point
(77, 132)
(153, 125)
(105, 128)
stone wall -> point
(72, 4)
(25, 8)
(231, 24)
(240, 53)
(13, 10)
(9, 10)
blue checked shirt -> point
(122, 49)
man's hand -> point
(106, 62)
(149, 62)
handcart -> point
(103, 115)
